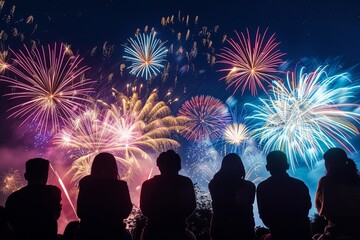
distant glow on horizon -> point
(146, 54)
(306, 115)
(251, 63)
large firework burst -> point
(251, 63)
(206, 117)
(49, 86)
(129, 129)
(146, 54)
(305, 116)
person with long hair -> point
(338, 195)
(103, 202)
(232, 201)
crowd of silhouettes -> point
(168, 200)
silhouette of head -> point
(36, 170)
(169, 162)
(276, 162)
(335, 160)
(232, 166)
(104, 166)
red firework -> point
(206, 117)
(251, 64)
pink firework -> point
(251, 64)
(205, 117)
(48, 84)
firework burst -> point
(129, 129)
(49, 85)
(206, 117)
(146, 54)
(305, 116)
(235, 133)
(12, 181)
(251, 64)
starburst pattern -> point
(206, 117)
(305, 116)
(48, 85)
(129, 129)
(235, 133)
(146, 54)
(251, 63)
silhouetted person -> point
(103, 202)
(338, 195)
(283, 201)
(34, 209)
(71, 230)
(167, 200)
(232, 201)
(5, 231)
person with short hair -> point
(167, 200)
(284, 202)
(34, 209)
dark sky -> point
(321, 28)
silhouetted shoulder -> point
(53, 189)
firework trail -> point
(49, 85)
(63, 188)
(251, 63)
(205, 116)
(129, 129)
(146, 54)
(307, 115)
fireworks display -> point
(200, 88)
(130, 129)
(251, 64)
(307, 115)
(49, 85)
(146, 54)
(206, 117)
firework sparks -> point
(251, 64)
(3, 62)
(129, 129)
(305, 118)
(12, 181)
(236, 133)
(49, 84)
(146, 54)
(206, 117)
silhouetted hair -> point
(169, 161)
(36, 169)
(277, 161)
(231, 166)
(104, 166)
(338, 164)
